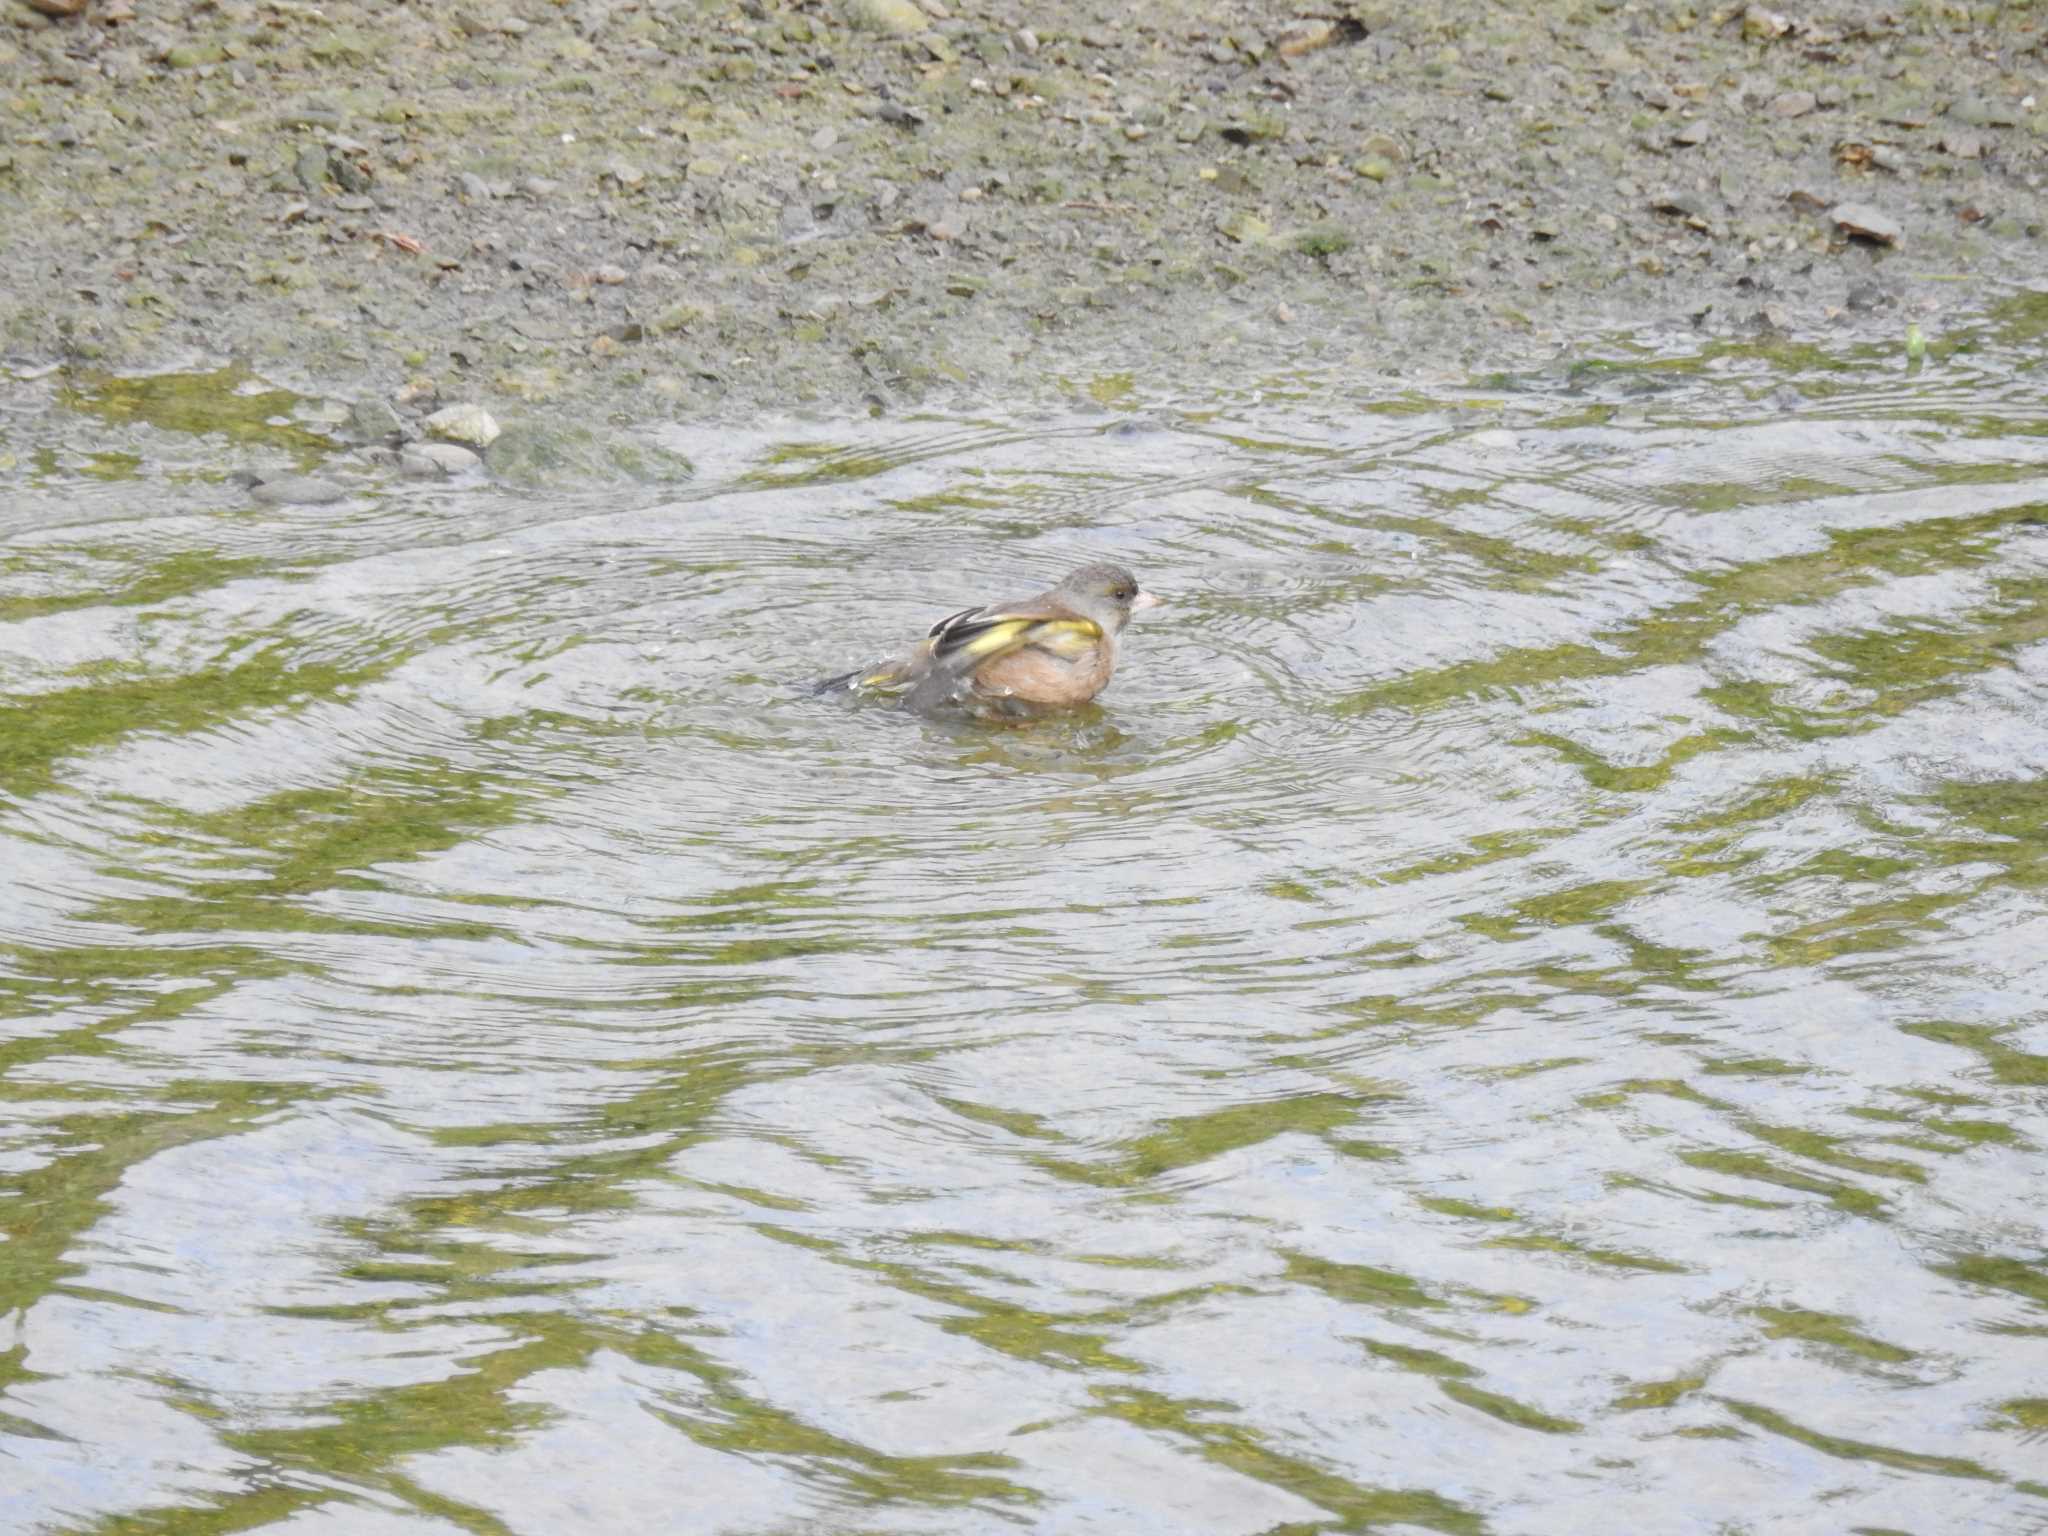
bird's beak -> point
(1146, 599)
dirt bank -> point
(645, 210)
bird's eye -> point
(1126, 592)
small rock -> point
(194, 55)
(1982, 112)
(678, 317)
(825, 138)
(311, 168)
(1793, 104)
(512, 26)
(1256, 128)
(474, 187)
(1246, 229)
(538, 187)
(902, 116)
(1906, 114)
(292, 490)
(433, 461)
(465, 423)
(1307, 36)
(373, 421)
(1964, 146)
(1864, 222)
(1691, 136)
(1758, 22)
(1026, 40)
(352, 173)
(547, 455)
(898, 17)
(1866, 296)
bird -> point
(1035, 655)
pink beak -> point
(1146, 599)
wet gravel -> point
(647, 211)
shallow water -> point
(1522, 1010)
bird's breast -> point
(1037, 675)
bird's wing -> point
(975, 636)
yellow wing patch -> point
(1067, 637)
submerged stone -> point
(538, 455)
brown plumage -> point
(1049, 652)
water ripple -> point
(1518, 1010)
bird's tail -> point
(873, 675)
(844, 680)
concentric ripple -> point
(1521, 1010)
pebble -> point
(311, 168)
(433, 461)
(464, 422)
(899, 17)
(294, 490)
(1982, 112)
(1866, 222)
(373, 421)
(679, 316)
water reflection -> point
(1520, 1009)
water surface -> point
(1522, 1010)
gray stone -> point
(294, 490)
(1866, 222)
(433, 461)
(546, 455)
(899, 17)
(464, 422)
(374, 421)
